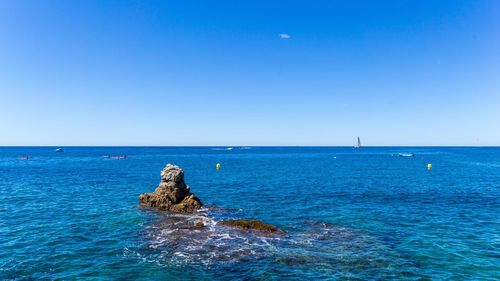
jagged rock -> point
(190, 204)
(252, 225)
(172, 194)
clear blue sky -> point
(219, 72)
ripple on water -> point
(320, 248)
(74, 215)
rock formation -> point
(172, 194)
(252, 225)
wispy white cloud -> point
(284, 36)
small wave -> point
(175, 240)
(213, 242)
(222, 148)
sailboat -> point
(358, 145)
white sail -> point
(358, 145)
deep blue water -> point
(355, 214)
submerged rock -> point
(252, 225)
(296, 260)
(199, 224)
(172, 194)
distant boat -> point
(59, 150)
(119, 157)
(406, 154)
(24, 158)
(358, 144)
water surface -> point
(348, 213)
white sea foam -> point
(175, 240)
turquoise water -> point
(355, 214)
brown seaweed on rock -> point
(172, 194)
(252, 225)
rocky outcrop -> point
(252, 225)
(172, 194)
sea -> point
(346, 213)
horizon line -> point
(365, 146)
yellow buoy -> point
(429, 166)
(217, 166)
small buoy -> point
(217, 166)
(429, 166)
